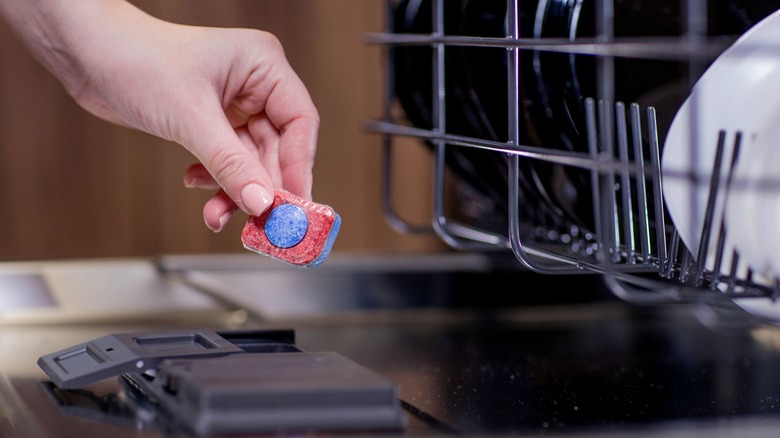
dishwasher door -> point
(579, 363)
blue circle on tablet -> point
(286, 225)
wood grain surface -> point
(72, 185)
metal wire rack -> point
(615, 170)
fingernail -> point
(255, 199)
(223, 220)
(208, 225)
(194, 183)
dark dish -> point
(553, 86)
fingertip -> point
(256, 199)
(218, 211)
(221, 222)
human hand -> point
(229, 96)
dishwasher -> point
(610, 273)
(579, 142)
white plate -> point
(737, 93)
(752, 213)
(752, 210)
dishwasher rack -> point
(630, 241)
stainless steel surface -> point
(101, 291)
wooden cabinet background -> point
(72, 185)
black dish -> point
(554, 86)
(484, 73)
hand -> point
(229, 96)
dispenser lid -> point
(116, 354)
(208, 381)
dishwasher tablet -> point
(293, 230)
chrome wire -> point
(631, 234)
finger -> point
(264, 138)
(237, 170)
(296, 156)
(236, 116)
(218, 210)
(197, 177)
(291, 111)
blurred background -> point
(76, 186)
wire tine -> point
(643, 221)
(611, 232)
(722, 229)
(748, 277)
(704, 241)
(721, 243)
(668, 270)
(625, 183)
(658, 203)
(691, 267)
(593, 149)
(733, 274)
(685, 266)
